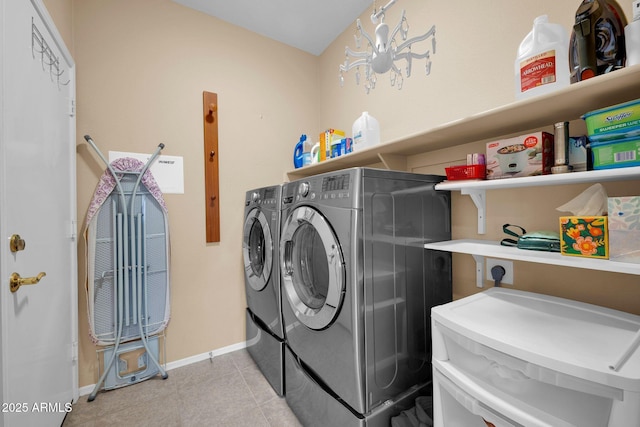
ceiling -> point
(309, 25)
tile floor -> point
(226, 391)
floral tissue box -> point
(624, 229)
(584, 236)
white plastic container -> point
(517, 358)
(632, 36)
(365, 131)
(542, 64)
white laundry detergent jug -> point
(365, 131)
(542, 64)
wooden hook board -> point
(211, 159)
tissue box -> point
(524, 155)
(585, 236)
(578, 153)
(624, 229)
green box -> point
(616, 122)
(616, 154)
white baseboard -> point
(184, 362)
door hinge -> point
(74, 230)
(72, 107)
(74, 352)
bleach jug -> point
(542, 64)
(365, 131)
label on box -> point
(613, 122)
(616, 154)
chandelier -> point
(382, 54)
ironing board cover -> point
(101, 241)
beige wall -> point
(142, 66)
(473, 72)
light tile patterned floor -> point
(226, 391)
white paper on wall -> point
(168, 171)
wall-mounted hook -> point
(211, 159)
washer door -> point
(312, 264)
(257, 248)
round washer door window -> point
(257, 249)
(312, 267)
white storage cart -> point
(511, 358)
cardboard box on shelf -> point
(326, 139)
(616, 154)
(524, 155)
(585, 236)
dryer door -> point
(313, 276)
(257, 249)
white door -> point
(38, 322)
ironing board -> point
(127, 254)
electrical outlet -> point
(508, 268)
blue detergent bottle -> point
(299, 153)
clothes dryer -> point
(264, 328)
(357, 289)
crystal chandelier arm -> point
(431, 32)
(405, 55)
(355, 54)
(366, 35)
(347, 66)
(398, 27)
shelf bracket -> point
(479, 270)
(396, 162)
(479, 199)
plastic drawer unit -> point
(510, 358)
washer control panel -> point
(334, 189)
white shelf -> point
(476, 189)
(603, 175)
(495, 250)
(566, 104)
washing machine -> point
(264, 328)
(357, 289)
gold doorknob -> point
(15, 281)
(16, 243)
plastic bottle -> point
(632, 36)
(542, 64)
(365, 131)
(299, 153)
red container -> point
(466, 172)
